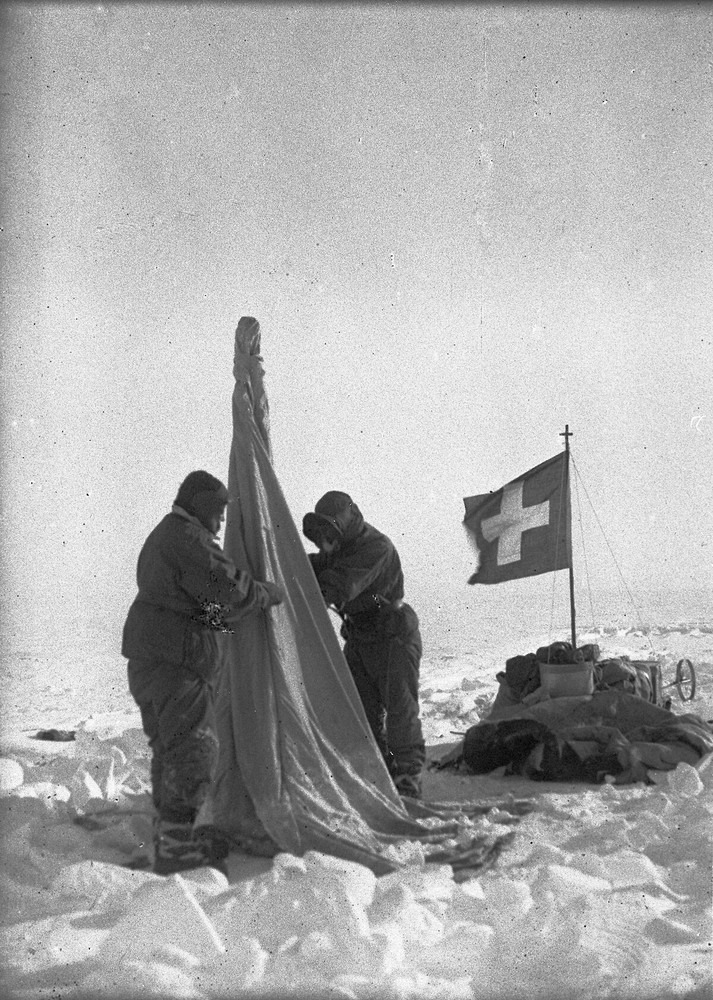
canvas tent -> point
(299, 768)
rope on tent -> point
(611, 552)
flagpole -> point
(567, 435)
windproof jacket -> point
(364, 569)
(183, 577)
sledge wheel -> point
(685, 680)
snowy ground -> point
(604, 892)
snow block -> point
(628, 868)
(59, 838)
(127, 834)
(23, 898)
(419, 926)
(430, 885)
(322, 955)
(383, 952)
(242, 967)
(356, 882)
(419, 986)
(46, 792)
(93, 885)
(11, 775)
(507, 896)
(499, 902)
(163, 912)
(540, 854)
(34, 851)
(205, 882)
(84, 790)
(461, 952)
(664, 931)
(649, 830)
(567, 884)
(305, 895)
(683, 782)
(134, 980)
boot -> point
(408, 785)
(213, 841)
(177, 849)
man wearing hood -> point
(188, 591)
(359, 573)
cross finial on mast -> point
(566, 434)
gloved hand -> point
(275, 593)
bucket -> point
(567, 680)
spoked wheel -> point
(685, 680)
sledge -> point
(564, 713)
(525, 529)
(684, 681)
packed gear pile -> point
(615, 734)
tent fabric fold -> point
(298, 766)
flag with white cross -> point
(522, 529)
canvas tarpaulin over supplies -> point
(298, 767)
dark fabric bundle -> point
(522, 675)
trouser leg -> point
(140, 685)
(177, 712)
(367, 685)
(403, 723)
(385, 668)
(394, 663)
(183, 707)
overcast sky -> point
(460, 227)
